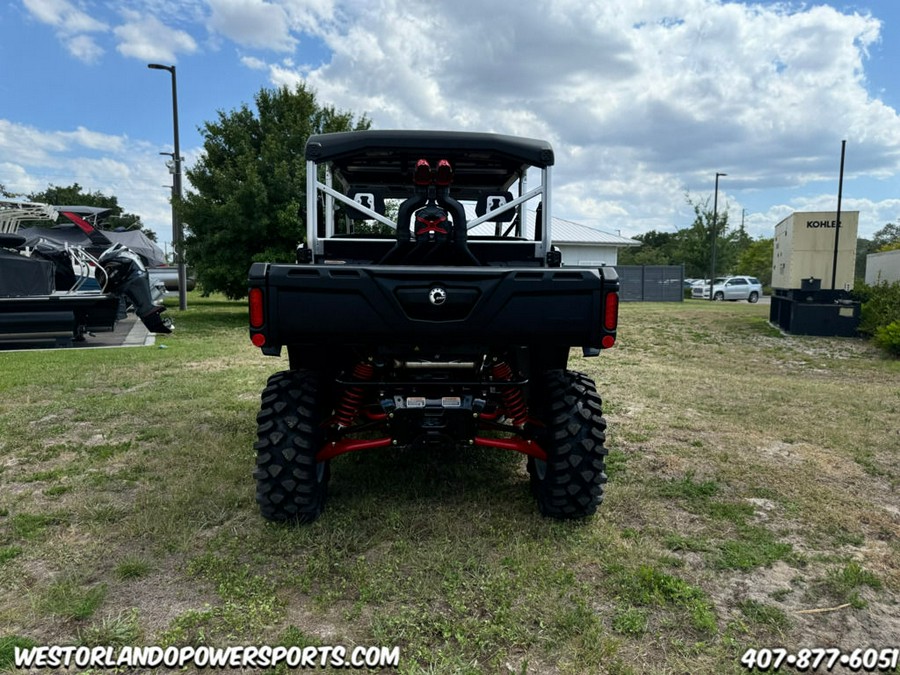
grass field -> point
(753, 502)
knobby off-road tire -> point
(291, 486)
(570, 483)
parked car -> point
(730, 288)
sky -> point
(644, 101)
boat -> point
(54, 291)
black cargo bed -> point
(358, 305)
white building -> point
(884, 266)
(580, 245)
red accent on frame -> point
(531, 449)
(346, 445)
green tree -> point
(887, 238)
(756, 260)
(863, 248)
(694, 242)
(75, 195)
(249, 185)
(693, 247)
(657, 248)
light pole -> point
(715, 228)
(177, 234)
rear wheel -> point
(754, 296)
(290, 484)
(570, 483)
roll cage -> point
(353, 175)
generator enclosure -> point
(804, 249)
(804, 301)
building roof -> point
(564, 232)
(569, 232)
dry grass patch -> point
(753, 477)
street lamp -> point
(715, 227)
(177, 234)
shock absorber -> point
(351, 400)
(513, 398)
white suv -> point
(730, 288)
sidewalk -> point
(129, 332)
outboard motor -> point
(128, 276)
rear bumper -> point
(484, 306)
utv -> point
(428, 308)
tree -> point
(694, 241)
(690, 246)
(657, 248)
(249, 186)
(863, 248)
(756, 260)
(887, 238)
(74, 195)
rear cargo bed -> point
(356, 305)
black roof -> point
(379, 157)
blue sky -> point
(643, 102)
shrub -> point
(880, 306)
(888, 338)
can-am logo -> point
(437, 296)
(812, 224)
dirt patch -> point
(160, 598)
(329, 625)
(781, 452)
(814, 620)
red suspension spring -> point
(513, 399)
(351, 400)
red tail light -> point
(444, 173)
(610, 319)
(422, 175)
(611, 311)
(257, 315)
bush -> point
(888, 338)
(880, 306)
(880, 314)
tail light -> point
(611, 311)
(256, 308)
(444, 173)
(422, 174)
(256, 301)
(610, 319)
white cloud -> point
(71, 24)
(873, 215)
(64, 15)
(84, 48)
(309, 15)
(642, 101)
(282, 76)
(253, 63)
(252, 23)
(146, 38)
(113, 165)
